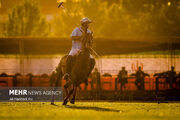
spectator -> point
(122, 78)
(107, 75)
(140, 75)
(30, 75)
(3, 75)
(3, 81)
(15, 79)
(96, 78)
(170, 76)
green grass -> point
(90, 111)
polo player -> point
(77, 36)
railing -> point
(106, 83)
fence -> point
(107, 83)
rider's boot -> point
(68, 67)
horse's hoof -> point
(52, 103)
(65, 102)
(72, 101)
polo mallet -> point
(93, 51)
(61, 6)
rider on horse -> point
(77, 37)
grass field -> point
(90, 111)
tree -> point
(26, 20)
(121, 18)
(64, 23)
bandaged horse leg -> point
(67, 97)
(74, 96)
(68, 94)
(66, 86)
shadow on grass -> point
(55, 105)
(92, 108)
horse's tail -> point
(60, 70)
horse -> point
(79, 73)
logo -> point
(135, 66)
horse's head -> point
(87, 41)
(85, 52)
(86, 46)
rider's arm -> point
(76, 34)
(76, 37)
(91, 37)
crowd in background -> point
(171, 78)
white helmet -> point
(85, 20)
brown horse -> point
(79, 73)
(81, 68)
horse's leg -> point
(66, 86)
(67, 97)
(55, 88)
(66, 90)
(74, 96)
(66, 93)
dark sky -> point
(47, 6)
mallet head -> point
(60, 4)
